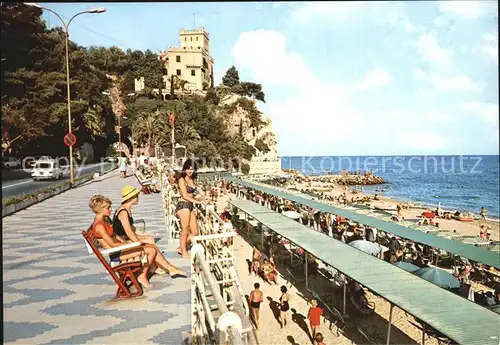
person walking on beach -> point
(256, 298)
(483, 213)
(284, 306)
(123, 167)
(314, 316)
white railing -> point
(212, 258)
(169, 197)
(213, 272)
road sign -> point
(69, 139)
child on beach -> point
(314, 316)
(318, 339)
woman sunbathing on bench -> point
(185, 206)
(123, 227)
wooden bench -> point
(124, 274)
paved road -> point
(18, 182)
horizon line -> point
(389, 155)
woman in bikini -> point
(123, 227)
(284, 306)
(256, 298)
(107, 238)
(185, 207)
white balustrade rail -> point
(213, 271)
(212, 258)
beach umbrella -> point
(439, 277)
(292, 214)
(366, 246)
(408, 267)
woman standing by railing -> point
(185, 209)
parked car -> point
(29, 162)
(46, 169)
(111, 159)
(11, 162)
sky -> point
(340, 78)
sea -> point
(464, 183)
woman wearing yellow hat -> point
(123, 225)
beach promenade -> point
(54, 292)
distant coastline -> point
(463, 183)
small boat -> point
(465, 218)
(428, 214)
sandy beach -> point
(375, 326)
(412, 214)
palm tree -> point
(187, 135)
(93, 122)
(151, 127)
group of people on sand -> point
(118, 230)
(265, 268)
(313, 315)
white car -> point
(46, 169)
(11, 162)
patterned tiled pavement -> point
(54, 292)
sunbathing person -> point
(123, 227)
(148, 179)
(107, 238)
(269, 271)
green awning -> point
(452, 315)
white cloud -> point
(308, 11)
(454, 83)
(398, 114)
(487, 112)
(385, 13)
(431, 52)
(470, 10)
(436, 116)
(264, 54)
(377, 77)
(458, 83)
(424, 142)
(490, 45)
(311, 108)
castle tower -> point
(191, 62)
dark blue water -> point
(464, 183)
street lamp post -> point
(66, 26)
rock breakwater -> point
(343, 178)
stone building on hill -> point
(190, 64)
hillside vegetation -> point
(34, 109)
